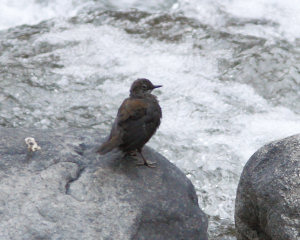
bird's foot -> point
(144, 162)
(147, 163)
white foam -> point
(17, 12)
(285, 15)
(216, 13)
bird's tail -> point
(109, 145)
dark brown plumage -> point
(137, 120)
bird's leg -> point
(145, 162)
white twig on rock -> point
(32, 144)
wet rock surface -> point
(268, 196)
(67, 191)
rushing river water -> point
(230, 70)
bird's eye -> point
(144, 87)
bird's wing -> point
(129, 127)
(131, 123)
(136, 123)
(133, 109)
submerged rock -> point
(268, 196)
(66, 191)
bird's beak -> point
(157, 86)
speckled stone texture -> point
(67, 191)
(268, 196)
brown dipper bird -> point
(137, 120)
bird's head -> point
(142, 86)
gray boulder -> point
(67, 191)
(268, 197)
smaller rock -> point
(267, 205)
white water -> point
(210, 127)
(18, 12)
(284, 13)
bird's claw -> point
(147, 164)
